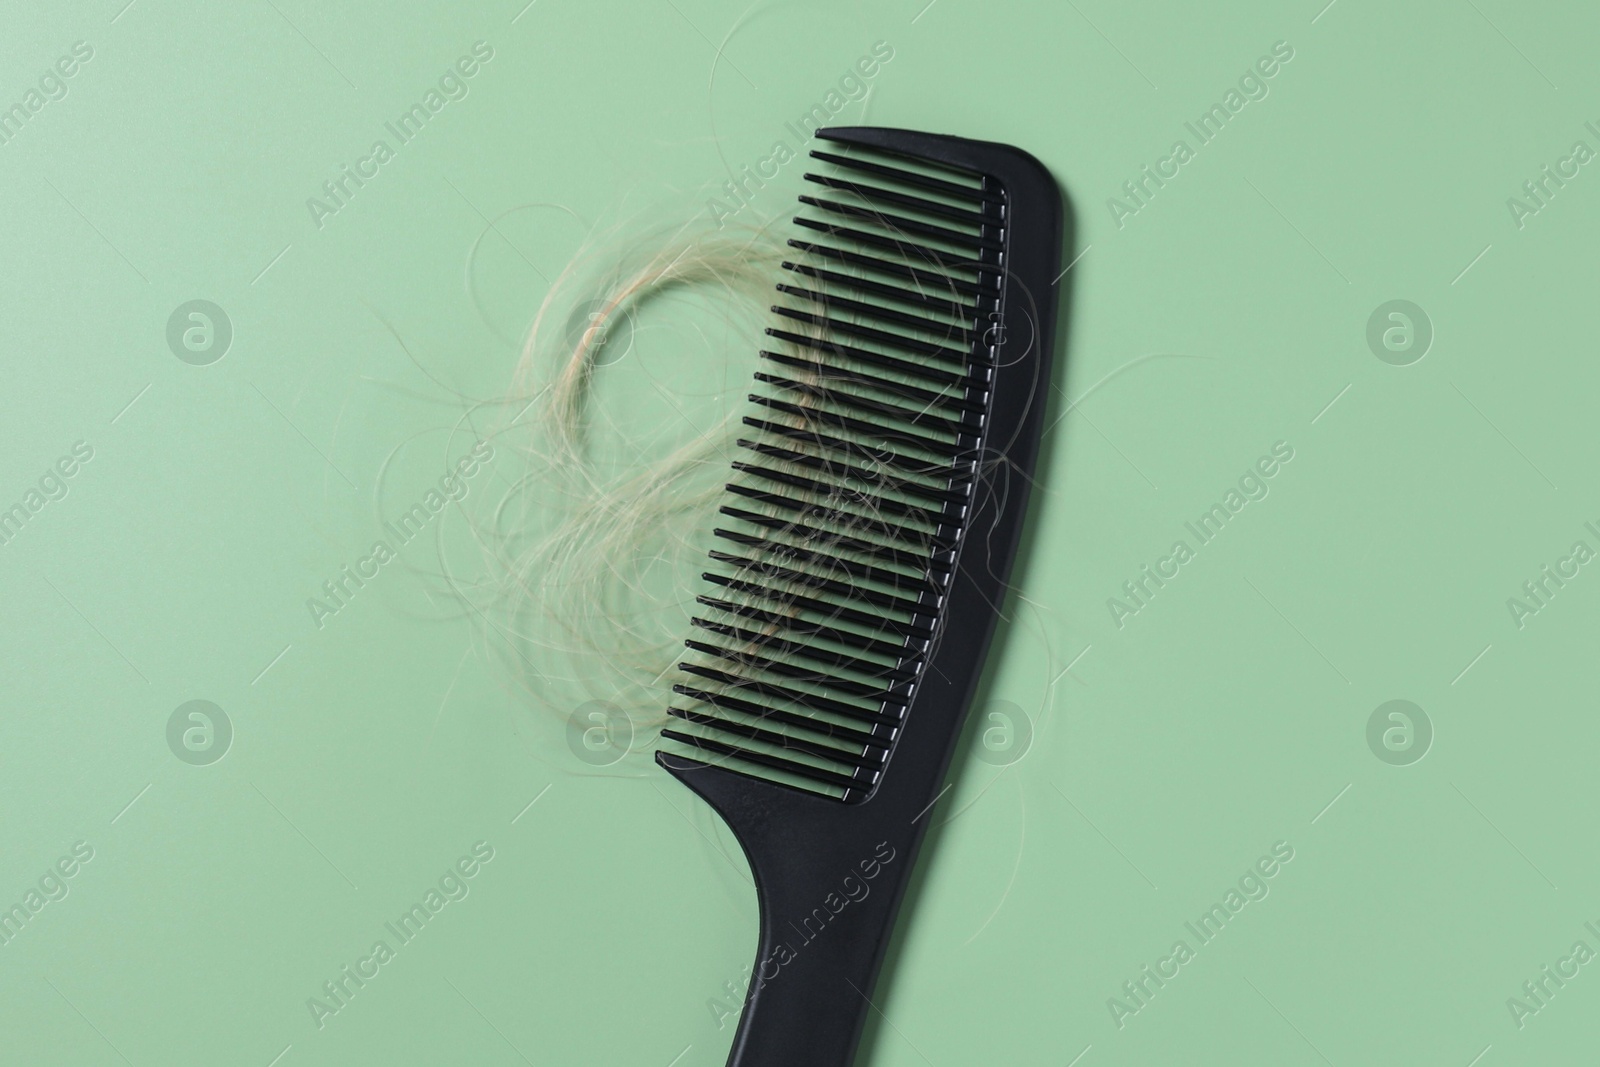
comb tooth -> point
(784, 694)
(834, 682)
(833, 612)
(921, 540)
(767, 665)
(880, 733)
(756, 733)
(817, 581)
(874, 478)
(901, 224)
(812, 535)
(953, 452)
(973, 379)
(931, 278)
(897, 580)
(965, 312)
(876, 728)
(809, 629)
(911, 178)
(868, 757)
(919, 560)
(851, 786)
(933, 256)
(860, 426)
(834, 493)
(876, 194)
(899, 676)
(854, 449)
(890, 472)
(883, 337)
(948, 330)
(917, 417)
(900, 389)
(866, 748)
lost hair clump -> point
(589, 559)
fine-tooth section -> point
(856, 481)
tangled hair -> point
(589, 555)
(593, 551)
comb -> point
(871, 527)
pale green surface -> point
(1220, 720)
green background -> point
(1166, 754)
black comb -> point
(871, 531)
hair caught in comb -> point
(858, 469)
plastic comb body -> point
(871, 530)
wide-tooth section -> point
(851, 500)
